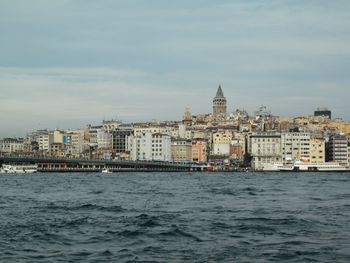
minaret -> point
(219, 103)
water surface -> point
(175, 217)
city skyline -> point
(68, 64)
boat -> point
(106, 171)
(321, 167)
(19, 168)
(304, 166)
(278, 167)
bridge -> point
(55, 164)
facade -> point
(317, 150)
(324, 112)
(181, 150)
(138, 131)
(265, 148)
(74, 141)
(237, 149)
(148, 147)
(44, 143)
(57, 136)
(221, 142)
(295, 146)
(57, 149)
(200, 150)
(104, 144)
(337, 149)
(120, 141)
(219, 103)
(11, 145)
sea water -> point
(175, 217)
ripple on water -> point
(175, 217)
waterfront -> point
(175, 217)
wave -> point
(113, 208)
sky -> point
(68, 63)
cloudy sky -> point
(67, 63)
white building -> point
(11, 145)
(139, 131)
(104, 144)
(44, 142)
(148, 146)
(265, 148)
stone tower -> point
(219, 103)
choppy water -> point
(175, 217)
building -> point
(219, 103)
(337, 149)
(181, 150)
(200, 150)
(74, 141)
(11, 145)
(120, 141)
(104, 144)
(264, 148)
(44, 142)
(295, 146)
(324, 112)
(150, 147)
(187, 118)
(317, 150)
(237, 148)
(221, 142)
(57, 149)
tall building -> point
(219, 103)
(323, 112)
(337, 149)
(120, 140)
(317, 150)
(295, 146)
(148, 146)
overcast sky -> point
(68, 63)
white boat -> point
(106, 171)
(304, 166)
(321, 167)
(275, 167)
(19, 169)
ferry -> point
(18, 169)
(321, 167)
(303, 166)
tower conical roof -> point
(219, 93)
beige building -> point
(57, 149)
(265, 148)
(221, 142)
(181, 150)
(342, 126)
(57, 136)
(317, 150)
(295, 146)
